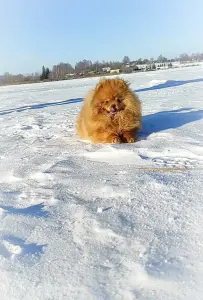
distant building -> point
(130, 68)
(106, 69)
(116, 71)
(70, 75)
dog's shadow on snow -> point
(164, 120)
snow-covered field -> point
(102, 222)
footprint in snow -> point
(12, 247)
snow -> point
(155, 82)
(82, 221)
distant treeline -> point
(65, 70)
(87, 66)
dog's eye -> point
(119, 100)
(106, 102)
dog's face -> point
(109, 96)
(111, 104)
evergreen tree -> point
(153, 67)
(43, 75)
(47, 73)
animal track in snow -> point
(11, 247)
(38, 188)
(38, 195)
(175, 162)
(174, 158)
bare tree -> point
(126, 60)
(61, 70)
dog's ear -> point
(99, 85)
(124, 82)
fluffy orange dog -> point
(111, 113)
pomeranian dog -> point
(111, 113)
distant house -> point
(130, 68)
(127, 65)
(116, 71)
(106, 69)
(126, 69)
(69, 75)
(92, 72)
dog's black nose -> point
(113, 108)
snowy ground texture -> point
(102, 222)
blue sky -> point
(42, 32)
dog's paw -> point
(131, 140)
(128, 137)
(116, 140)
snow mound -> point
(114, 156)
(155, 82)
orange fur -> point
(111, 113)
